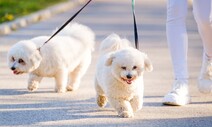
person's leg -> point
(177, 36)
(203, 15)
(178, 44)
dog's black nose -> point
(12, 68)
(129, 76)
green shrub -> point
(12, 9)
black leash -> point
(135, 25)
(134, 19)
(66, 23)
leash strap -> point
(135, 25)
(66, 23)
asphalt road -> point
(44, 107)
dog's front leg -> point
(123, 107)
(61, 79)
(137, 103)
(33, 82)
(100, 95)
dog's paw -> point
(101, 101)
(32, 87)
(60, 90)
(70, 88)
(126, 114)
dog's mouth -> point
(128, 81)
(17, 72)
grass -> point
(12, 9)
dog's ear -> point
(147, 64)
(36, 59)
(109, 60)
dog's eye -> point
(21, 61)
(134, 67)
(124, 68)
(12, 59)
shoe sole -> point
(178, 104)
(172, 104)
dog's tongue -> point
(15, 72)
(129, 82)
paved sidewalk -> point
(44, 107)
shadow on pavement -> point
(8, 92)
(13, 92)
(56, 110)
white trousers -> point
(177, 35)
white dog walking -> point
(119, 76)
(66, 57)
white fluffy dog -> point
(119, 76)
(66, 57)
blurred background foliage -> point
(12, 9)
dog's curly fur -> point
(119, 76)
(65, 57)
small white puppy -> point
(119, 76)
(65, 57)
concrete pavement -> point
(44, 107)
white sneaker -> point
(179, 95)
(205, 77)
